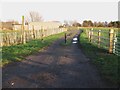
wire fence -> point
(106, 39)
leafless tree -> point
(66, 23)
(34, 17)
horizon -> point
(54, 11)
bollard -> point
(65, 38)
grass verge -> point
(18, 52)
(106, 63)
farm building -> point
(44, 25)
(9, 25)
(6, 25)
(19, 27)
(30, 26)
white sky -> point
(62, 10)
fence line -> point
(23, 36)
(116, 48)
(109, 40)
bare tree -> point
(34, 17)
(71, 23)
(66, 23)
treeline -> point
(89, 23)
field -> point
(102, 37)
(107, 64)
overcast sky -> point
(60, 11)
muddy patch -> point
(44, 77)
(65, 60)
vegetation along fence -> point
(23, 36)
(107, 39)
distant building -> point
(19, 27)
(6, 25)
(44, 25)
(30, 26)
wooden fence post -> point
(111, 35)
(1, 40)
(114, 42)
(91, 35)
(33, 31)
(86, 32)
(24, 39)
(42, 35)
(23, 32)
(22, 22)
(99, 34)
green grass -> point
(106, 63)
(18, 52)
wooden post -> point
(111, 35)
(42, 34)
(45, 32)
(22, 22)
(33, 31)
(99, 34)
(65, 38)
(1, 40)
(9, 39)
(87, 32)
(37, 32)
(23, 32)
(114, 42)
(91, 35)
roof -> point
(16, 24)
(44, 23)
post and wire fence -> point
(106, 39)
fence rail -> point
(116, 47)
(108, 40)
(23, 36)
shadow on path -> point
(55, 67)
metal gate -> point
(116, 46)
